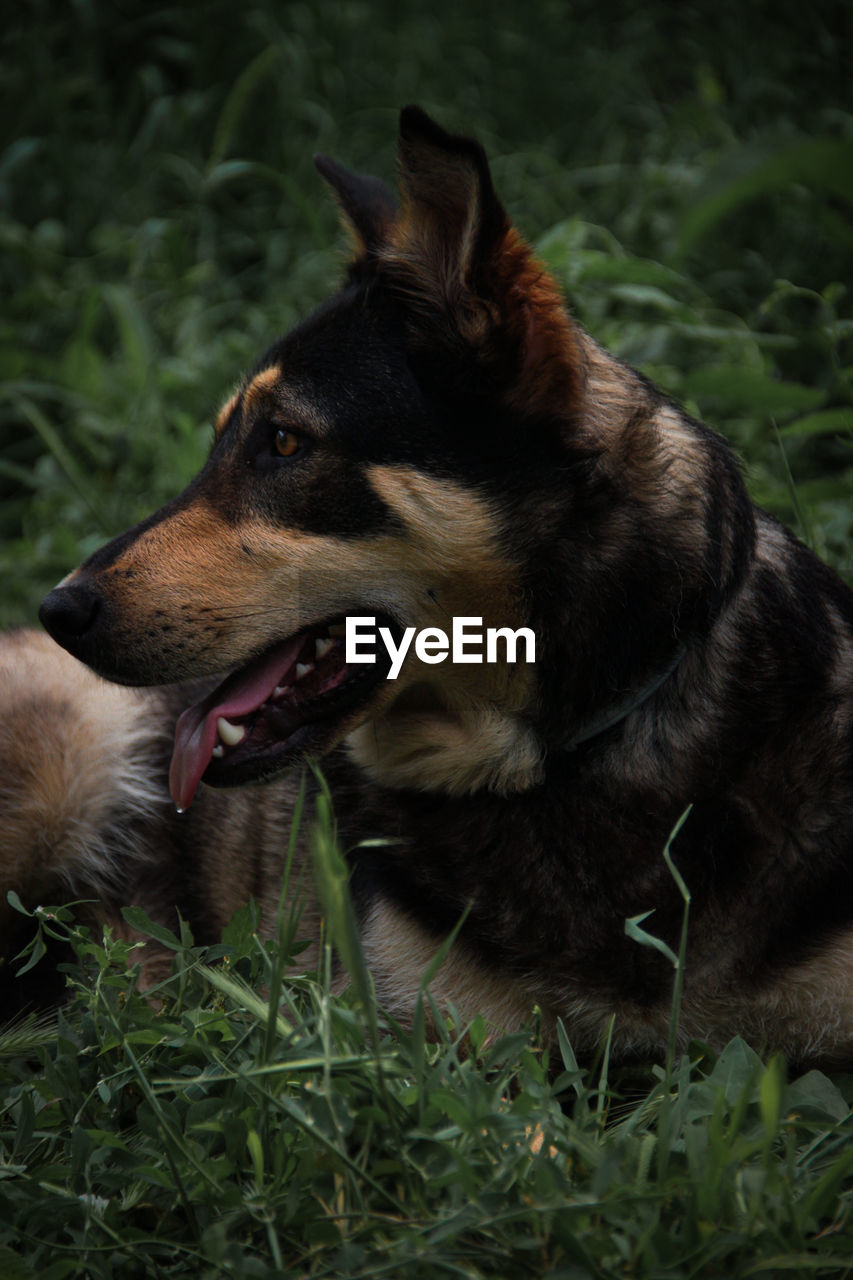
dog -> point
(441, 444)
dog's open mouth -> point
(284, 703)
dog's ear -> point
(452, 221)
(471, 284)
(368, 206)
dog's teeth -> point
(302, 669)
(279, 690)
(230, 733)
(321, 648)
(218, 751)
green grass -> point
(238, 1125)
(686, 174)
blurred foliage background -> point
(686, 170)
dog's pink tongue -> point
(195, 732)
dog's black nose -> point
(69, 612)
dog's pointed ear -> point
(452, 220)
(368, 206)
(471, 285)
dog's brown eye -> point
(287, 443)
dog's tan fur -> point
(78, 756)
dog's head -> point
(404, 454)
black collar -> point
(613, 715)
